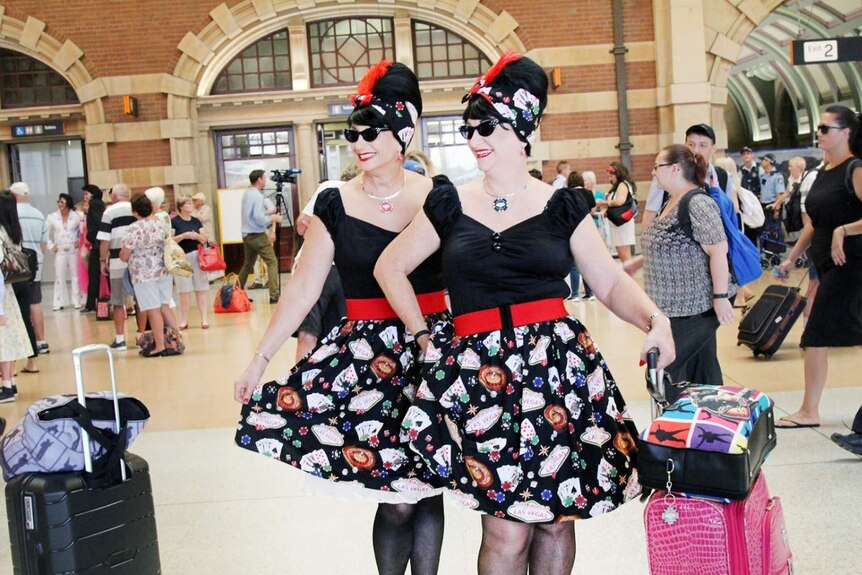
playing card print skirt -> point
(525, 423)
(337, 414)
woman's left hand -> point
(724, 310)
(660, 336)
(838, 246)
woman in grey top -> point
(686, 269)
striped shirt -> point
(115, 221)
(34, 230)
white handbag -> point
(752, 211)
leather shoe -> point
(273, 300)
(852, 442)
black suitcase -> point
(75, 523)
(767, 323)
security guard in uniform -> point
(771, 184)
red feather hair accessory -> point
(365, 89)
(493, 71)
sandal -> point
(183, 326)
(25, 370)
(205, 326)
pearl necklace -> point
(500, 203)
(384, 205)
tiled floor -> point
(225, 511)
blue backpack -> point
(743, 256)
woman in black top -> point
(519, 413)
(189, 233)
(834, 206)
(337, 415)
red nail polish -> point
(642, 363)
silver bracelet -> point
(651, 318)
(261, 355)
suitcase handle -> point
(655, 383)
(77, 355)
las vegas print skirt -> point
(526, 424)
(337, 414)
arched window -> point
(342, 50)
(440, 53)
(25, 81)
(265, 65)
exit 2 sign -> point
(826, 50)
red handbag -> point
(209, 258)
(231, 298)
(103, 303)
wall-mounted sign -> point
(37, 130)
(340, 109)
(826, 50)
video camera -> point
(281, 177)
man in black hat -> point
(749, 176)
(771, 184)
(95, 210)
(700, 139)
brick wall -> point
(121, 38)
(124, 155)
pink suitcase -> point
(687, 535)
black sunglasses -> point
(368, 134)
(824, 128)
(485, 129)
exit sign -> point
(826, 50)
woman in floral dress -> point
(337, 415)
(519, 413)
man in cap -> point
(771, 185)
(749, 176)
(700, 139)
(35, 233)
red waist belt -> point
(504, 317)
(379, 308)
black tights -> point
(510, 548)
(409, 533)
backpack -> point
(742, 255)
(793, 207)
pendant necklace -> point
(500, 203)
(384, 205)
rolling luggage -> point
(767, 323)
(709, 535)
(688, 535)
(100, 521)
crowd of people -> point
(114, 251)
(456, 365)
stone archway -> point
(694, 89)
(29, 37)
(205, 53)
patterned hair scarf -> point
(401, 115)
(515, 106)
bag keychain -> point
(670, 514)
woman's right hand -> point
(784, 270)
(249, 380)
